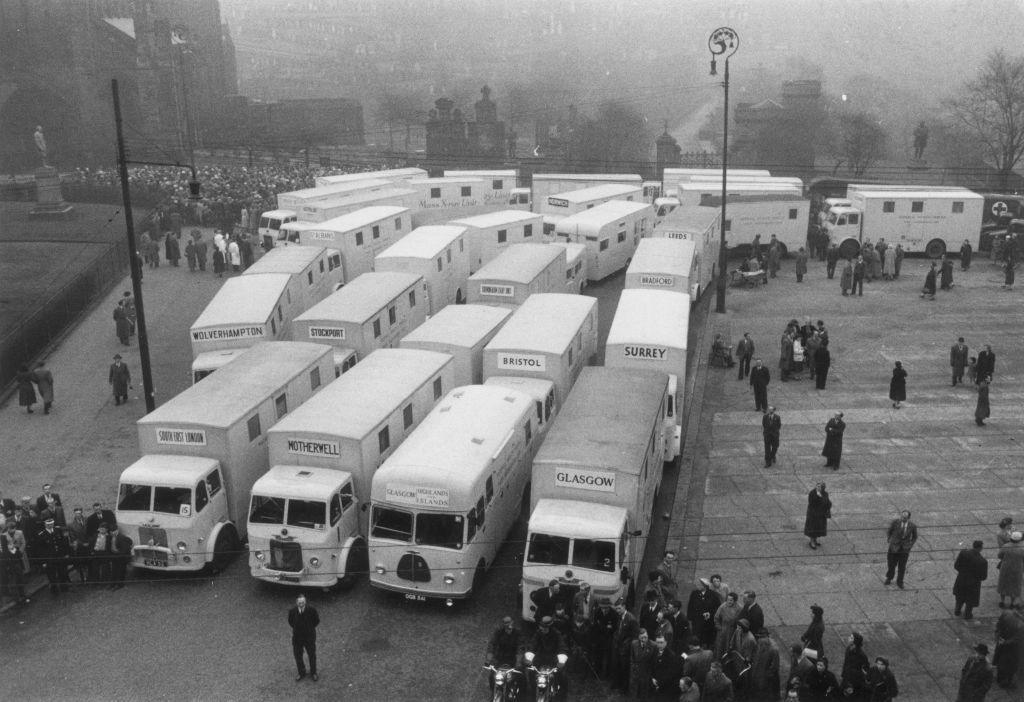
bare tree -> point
(405, 110)
(990, 108)
(855, 139)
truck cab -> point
(270, 225)
(575, 542)
(303, 528)
(164, 501)
(843, 226)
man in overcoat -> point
(759, 379)
(971, 570)
(120, 379)
(771, 429)
(958, 357)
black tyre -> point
(357, 565)
(935, 248)
(849, 249)
(224, 549)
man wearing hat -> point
(605, 623)
(626, 630)
(971, 569)
(547, 648)
(976, 677)
(700, 610)
(53, 550)
(120, 380)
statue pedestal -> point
(49, 198)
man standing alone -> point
(902, 537)
(759, 379)
(304, 620)
(744, 352)
(120, 379)
(971, 569)
(958, 360)
(771, 427)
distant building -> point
(451, 136)
(292, 124)
(778, 134)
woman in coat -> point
(26, 391)
(218, 262)
(846, 278)
(1005, 529)
(44, 380)
(855, 669)
(725, 623)
(813, 637)
(981, 411)
(819, 511)
(1008, 276)
(889, 265)
(765, 677)
(898, 385)
(822, 362)
(833, 448)
(929, 284)
(820, 684)
(1011, 570)
(881, 682)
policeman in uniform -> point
(54, 551)
(547, 648)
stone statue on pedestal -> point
(40, 144)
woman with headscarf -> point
(725, 623)
(981, 410)
(819, 511)
(700, 610)
(815, 633)
(1011, 570)
(898, 385)
(26, 391)
(881, 682)
(855, 669)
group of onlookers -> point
(39, 536)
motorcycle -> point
(547, 685)
(506, 683)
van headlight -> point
(379, 569)
(315, 562)
(259, 555)
(449, 579)
(182, 546)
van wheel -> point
(849, 249)
(225, 549)
(478, 576)
(356, 565)
(935, 248)
(783, 251)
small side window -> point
(321, 265)
(407, 416)
(335, 510)
(471, 525)
(347, 496)
(917, 206)
(314, 379)
(603, 246)
(480, 507)
(439, 264)
(888, 206)
(254, 427)
(359, 238)
(376, 231)
(392, 315)
(490, 488)
(528, 430)
(281, 402)
(527, 231)
(958, 207)
(376, 328)
(213, 482)
(383, 440)
(309, 277)
(435, 193)
(437, 388)
(398, 224)
(792, 213)
(448, 256)
(412, 298)
(497, 185)
(202, 499)
(502, 236)
(467, 191)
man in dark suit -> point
(759, 379)
(958, 360)
(771, 428)
(902, 537)
(121, 550)
(544, 600)
(648, 616)
(52, 553)
(304, 620)
(120, 380)
(627, 630)
(986, 364)
(752, 611)
(971, 569)
(666, 668)
(99, 516)
(48, 498)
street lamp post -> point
(723, 42)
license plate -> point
(154, 562)
(290, 578)
(414, 597)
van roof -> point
(519, 263)
(506, 173)
(361, 399)
(292, 259)
(387, 173)
(715, 201)
(572, 251)
(423, 242)
(605, 213)
(537, 388)
(360, 218)
(606, 422)
(300, 482)
(459, 325)
(578, 520)
(246, 299)
(220, 399)
(690, 218)
(614, 177)
(596, 192)
(899, 193)
(445, 180)
(648, 316)
(278, 214)
(662, 255)
(361, 299)
(172, 471)
(495, 219)
(366, 196)
(322, 192)
(546, 322)
(454, 445)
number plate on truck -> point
(155, 562)
(414, 597)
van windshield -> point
(444, 530)
(390, 523)
(552, 550)
(266, 510)
(172, 500)
(308, 514)
(594, 554)
(134, 498)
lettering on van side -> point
(654, 353)
(498, 290)
(598, 481)
(558, 202)
(417, 496)
(327, 332)
(522, 362)
(321, 236)
(228, 333)
(181, 437)
(677, 235)
(665, 281)
(314, 448)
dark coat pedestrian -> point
(122, 325)
(898, 385)
(1008, 275)
(218, 262)
(201, 249)
(846, 277)
(820, 684)
(819, 511)
(976, 677)
(26, 391)
(971, 570)
(899, 258)
(120, 380)
(831, 259)
(1009, 647)
(641, 654)
(717, 686)
(946, 273)
(959, 356)
(981, 410)
(765, 678)
(854, 679)
(833, 448)
(822, 363)
(801, 265)
(666, 669)
(813, 637)
(304, 619)
(966, 253)
(860, 269)
(190, 255)
(987, 363)
(902, 536)
(700, 610)
(881, 682)
(928, 290)
(173, 248)
(759, 379)
(774, 255)
(1011, 569)
(771, 429)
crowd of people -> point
(38, 536)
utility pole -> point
(723, 42)
(129, 224)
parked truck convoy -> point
(593, 485)
(184, 502)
